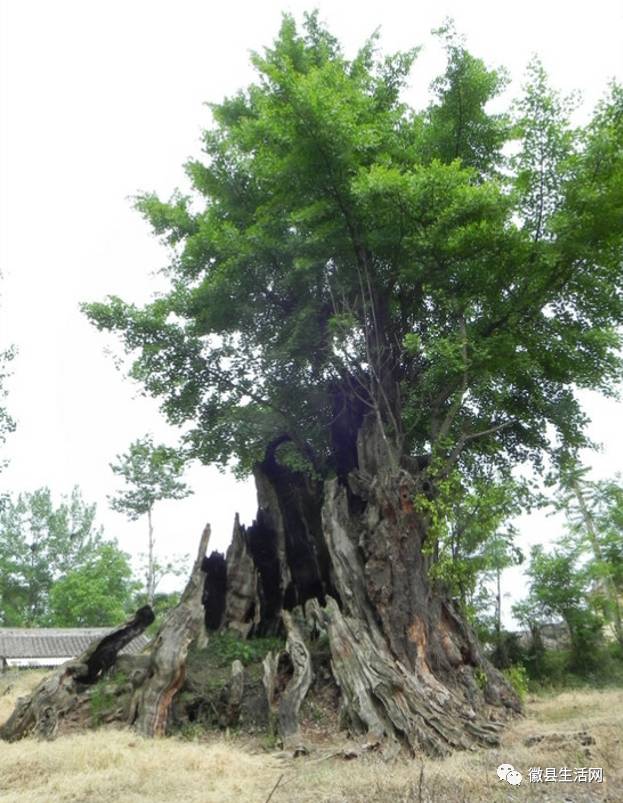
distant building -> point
(52, 646)
(554, 635)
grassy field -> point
(119, 767)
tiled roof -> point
(53, 642)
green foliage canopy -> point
(336, 237)
(98, 593)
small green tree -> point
(530, 614)
(594, 513)
(475, 542)
(98, 593)
(560, 587)
(152, 473)
(609, 517)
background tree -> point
(39, 543)
(501, 553)
(99, 593)
(152, 472)
(594, 513)
(560, 586)
(529, 612)
(474, 539)
(380, 292)
(608, 514)
(177, 566)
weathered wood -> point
(269, 676)
(103, 654)
(236, 690)
(391, 705)
(410, 670)
(60, 694)
(242, 604)
(297, 687)
(152, 699)
(353, 551)
(405, 662)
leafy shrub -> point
(481, 678)
(224, 648)
(559, 670)
(191, 732)
(517, 676)
(103, 695)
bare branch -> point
(467, 438)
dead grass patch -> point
(16, 683)
(119, 767)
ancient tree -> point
(373, 307)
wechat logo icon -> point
(506, 772)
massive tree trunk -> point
(346, 558)
(352, 553)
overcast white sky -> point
(103, 99)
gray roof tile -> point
(53, 642)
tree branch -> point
(466, 438)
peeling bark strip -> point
(269, 676)
(392, 705)
(59, 694)
(297, 687)
(152, 699)
(236, 691)
(242, 604)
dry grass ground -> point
(119, 767)
(14, 684)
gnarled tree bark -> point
(352, 553)
(166, 672)
(298, 685)
(353, 549)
